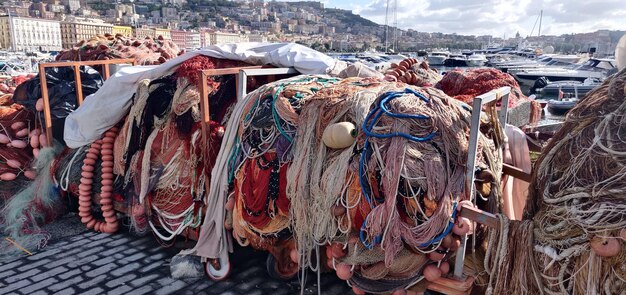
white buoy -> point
(339, 135)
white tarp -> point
(103, 109)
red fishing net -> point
(102, 47)
(465, 85)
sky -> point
(494, 17)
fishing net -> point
(261, 157)
(33, 206)
(572, 240)
(162, 151)
(465, 85)
(389, 197)
(14, 160)
(413, 72)
(102, 47)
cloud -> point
(497, 17)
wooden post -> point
(46, 103)
(79, 85)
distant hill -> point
(348, 18)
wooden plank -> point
(106, 73)
(46, 103)
(516, 172)
(58, 64)
(79, 85)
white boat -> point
(593, 68)
(476, 60)
(438, 58)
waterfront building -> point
(29, 34)
(82, 29)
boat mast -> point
(387, 27)
(540, 19)
(395, 25)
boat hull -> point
(560, 107)
(436, 60)
(529, 79)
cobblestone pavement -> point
(94, 263)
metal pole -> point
(540, 19)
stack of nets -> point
(259, 160)
(102, 47)
(162, 151)
(465, 85)
(389, 198)
(573, 239)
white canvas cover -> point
(103, 109)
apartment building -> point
(29, 34)
(82, 29)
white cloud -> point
(497, 17)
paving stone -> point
(6, 273)
(15, 286)
(40, 292)
(105, 260)
(60, 262)
(31, 265)
(12, 264)
(48, 274)
(92, 263)
(70, 274)
(68, 291)
(125, 269)
(101, 270)
(119, 241)
(22, 275)
(151, 266)
(134, 257)
(43, 254)
(110, 251)
(170, 288)
(143, 290)
(94, 291)
(91, 252)
(93, 282)
(143, 280)
(121, 280)
(38, 286)
(120, 290)
(67, 283)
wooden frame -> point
(79, 85)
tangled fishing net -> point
(35, 204)
(102, 47)
(263, 152)
(162, 151)
(414, 72)
(573, 238)
(386, 200)
(465, 85)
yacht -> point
(476, 60)
(438, 58)
(593, 68)
(553, 90)
(455, 60)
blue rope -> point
(377, 112)
(368, 125)
(445, 232)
